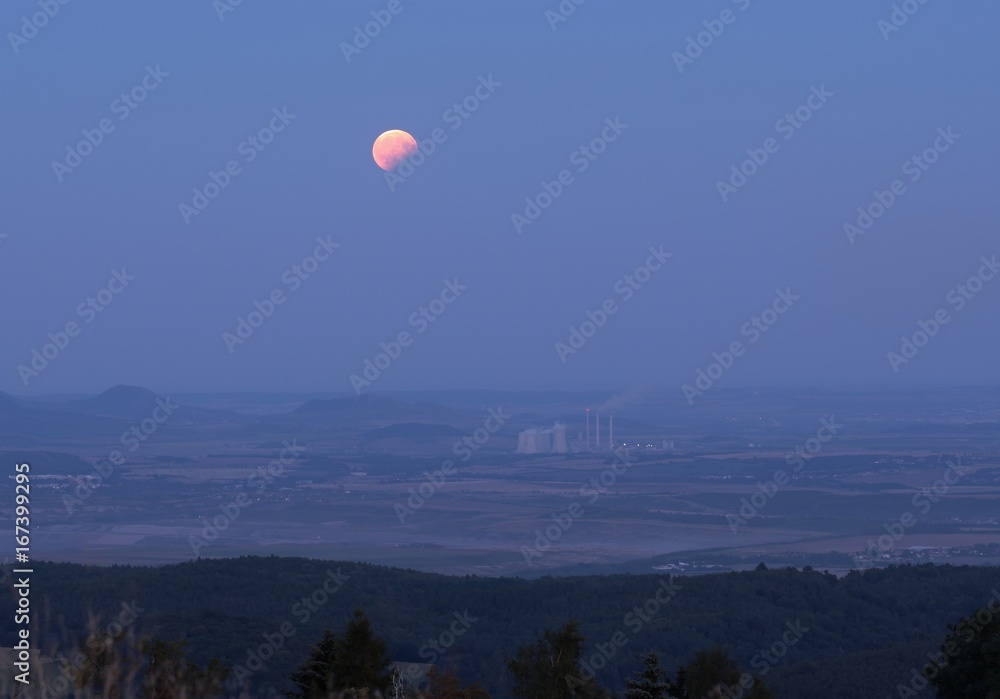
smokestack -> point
(597, 441)
(611, 432)
(588, 428)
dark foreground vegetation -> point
(244, 626)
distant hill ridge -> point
(132, 402)
(376, 407)
(413, 430)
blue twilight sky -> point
(216, 82)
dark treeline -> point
(783, 633)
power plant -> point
(597, 446)
(535, 441)
(553, 440)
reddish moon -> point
(392, 148)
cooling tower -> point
(543, 442)
(526, 442)
(559, 438)
(534, 441)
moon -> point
(392, 148)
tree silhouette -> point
(361, 659)
(170, 673)
(971, 658)
(315, 677)
(652, 682)
(550, 668)
(109, 663)
(715, 674)
(121, 666)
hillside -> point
(864, 632)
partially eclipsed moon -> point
(392, 148)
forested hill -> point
(859, 636)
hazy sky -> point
(549, 86)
